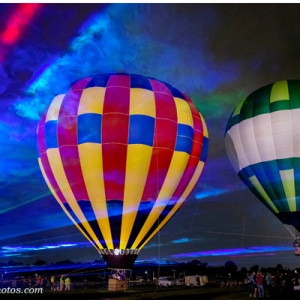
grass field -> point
(141, 293)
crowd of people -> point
(269, 285)
(119, 275)
(64, 283)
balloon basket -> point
(115, 285)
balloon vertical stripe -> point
(115, 128)
(92, 169)
(115, 124)
(68, 140)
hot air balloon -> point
(263, 144)
(121, 153)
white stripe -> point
(267, 137)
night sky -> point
(216, 54)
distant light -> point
(238, 251)
(7, 249)
(117, 251)
(180, 241)
(51, 246)
(210, 193)
(68, 245)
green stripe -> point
(260, 173)
(294, 91)
(296, 162)
(257, 103)
(279, 105)
(251, 187)
(272, 172)
(285, 163)
(246, 110)
(262, 100)
(264, 174)
(260, 189)
(287, 177)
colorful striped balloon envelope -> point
(263, 143)
(121, 153)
